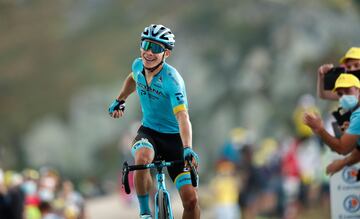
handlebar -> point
(125, 177)
(193, 172)
(158, 165)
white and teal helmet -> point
(159, 33)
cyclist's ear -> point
(167, 53)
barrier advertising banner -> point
(345, 194)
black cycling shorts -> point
(167, 147)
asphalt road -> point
(114, 207)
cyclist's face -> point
(352, 64)
(151, 59)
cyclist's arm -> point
(321, 92)
(185, 127)
(128, 87)
(176, 90)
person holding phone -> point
(349, 63)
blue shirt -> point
(161, 99)
(354, 126)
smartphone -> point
(331, 76)
(341, 116)
(356, 73)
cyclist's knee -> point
(143, 151)
(143, 156)
(189, 198)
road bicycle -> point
(163, 208)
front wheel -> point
(163, 202)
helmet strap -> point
(156, 66)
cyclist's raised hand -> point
(324, 69)
(117, 108)
(189, 153)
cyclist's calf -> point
(142, 178)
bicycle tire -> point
(163, 205)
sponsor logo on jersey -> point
(149, 89)
(179, 98)
(142, 92)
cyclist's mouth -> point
(149, 61)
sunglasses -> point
(155, 48)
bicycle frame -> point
(161, 186)
(160, 179)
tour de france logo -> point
(351, 203)
(349, 175)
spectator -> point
(350, 61)
(231, 149)
(4, 201)
(225, 189)
(15, 195)
(74, 202)
(47, 211)
(347, 87)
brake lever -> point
(193, 172)
(125, 177)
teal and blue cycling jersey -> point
(161, 99)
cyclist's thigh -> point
(170, 147)
(143, 146)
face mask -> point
(29, 187)
(348, 102)
(46, 195)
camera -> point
(333, 74)
(340, 117)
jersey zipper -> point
(148, 88)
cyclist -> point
(166, 130)
(347, 87)
(350, 61)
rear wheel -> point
(163, 203)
